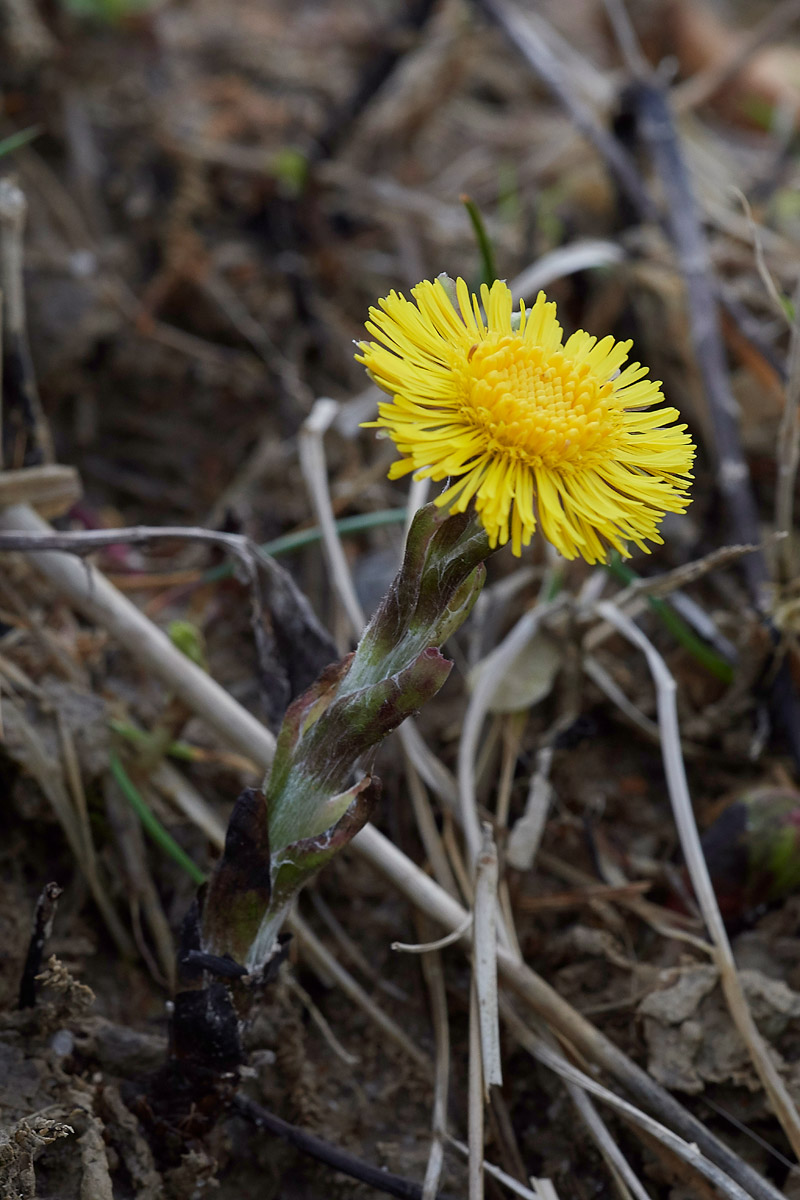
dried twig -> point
(495, 668)
(688, 1152)
(43, 919)
(484, 960)
(332, 1156)
(434, 979)
(317, 953)
(781, 1101)
(475, 1101)
(685, 228)
(449, 939)
(312, 462)
(102, 603)
(425, 894)
(566, 260)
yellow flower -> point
(522, 421)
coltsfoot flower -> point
(523, 422)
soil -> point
(216, 194)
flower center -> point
(537, 406)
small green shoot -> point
(15, 141)
(150, 822)
(686, 637)
(488, 265)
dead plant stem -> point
(97, 599)
(782, 1103)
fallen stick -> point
(92, 594)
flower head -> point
(522, 421)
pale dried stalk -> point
(624, 1176)
(566, 260)
(475, 1102)
(484, 960)
(545, 1188)
(94, 596)
(426, 895)
(508, 1181)
(441, 943)
(434, 979)
(321, 1022)
(782, 1103)
(687, 1151)
(318, 954)
(312, 463)
(99, 600)
(496, 666)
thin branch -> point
(426, 895)
(312, 463)
(788, 450)
(93, 595)
(332, 1156)
(686, 232)
(475, 1101)
(494, 670)
(434, 979)
(43, 919)
(782, 1103)
(102, 603)
(688, 1152)
(484, 960)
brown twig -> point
(332, 1156)
(95, 596)
(43, 919)
(651, 106)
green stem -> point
(676, 625)
(15, 140)
(138, 737)
(488, 266)
(150, 822)
(306, 537)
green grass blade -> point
(150, 822)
